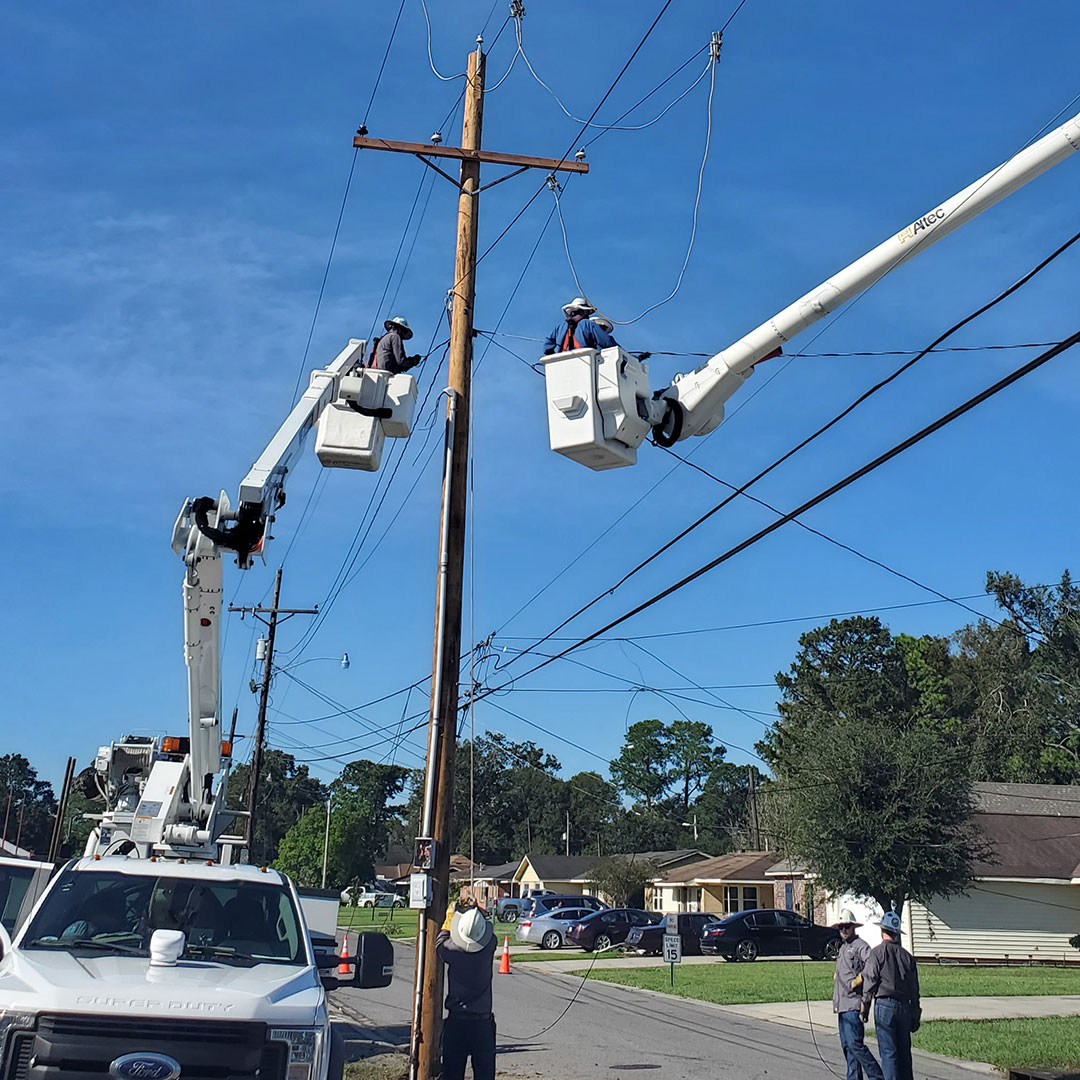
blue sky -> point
(171, 178)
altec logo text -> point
(917, 227)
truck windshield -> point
(227, 921)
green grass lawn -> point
(1049, 1043)
(749, 984)
(396, 922)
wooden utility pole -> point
(437, 815)
(61, 810)
(755, 835)
(264, 692)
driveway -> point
(603, 1030)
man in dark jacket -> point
(892, 977)
(466, 944)
(580, 331)
(847, 1000)
(390, 349)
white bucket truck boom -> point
(599, 404)
(166, 797)
(153, 958)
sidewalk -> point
(800, 1014)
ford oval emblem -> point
(144, 1066)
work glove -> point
(864, 1013)
(857, 982)
(450, 909)
(916, 1018)
(412, 361)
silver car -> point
(548, 930)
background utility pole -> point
(264, 691)
(442, 729)
(755, 835)
(61, 810)
(437, 817)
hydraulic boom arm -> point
(600, 408)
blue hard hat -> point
(890, 922)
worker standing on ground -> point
(847, 1000)
(466, 944)
(579, 331)
(390, 348)
(892, 977)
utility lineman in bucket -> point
(390, 350)
(580, 331)
(847, 1000)
(466, 944)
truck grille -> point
(78, 1047)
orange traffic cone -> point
(504, 963)
(344, 968)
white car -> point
(369, 897)
(149, 970)
(548, 929)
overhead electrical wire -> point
(818, 432)
(906, 444)
(431, 59)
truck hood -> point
(46, 981)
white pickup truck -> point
(151, 969)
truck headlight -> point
(305, 1045)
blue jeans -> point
(892, 1021)
(856, 1052)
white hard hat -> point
(603, 322)
(469, 930)
(402, 324)
(579, 303)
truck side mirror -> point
(5, 942)
(374, 961)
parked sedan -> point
(602, 929)
(548, 929)
(768, 932)
(649, 940)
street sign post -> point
(672, 952)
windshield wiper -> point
(87, 943)
(220, 953)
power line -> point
(431, 59)
(840, 485)
(816, 434)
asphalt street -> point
(609, 1030)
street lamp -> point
(691, 825)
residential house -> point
(724, 884)
(1024, 904)
(571, 873)
(490, 883)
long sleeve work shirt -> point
(891, 972)
(468, 977)
(850, 962)
(586, 335)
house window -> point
(749, 897)
(789, 896)
(731, 899)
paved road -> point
(610, 1031)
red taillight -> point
(525, 925)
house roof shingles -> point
(1042, 800)
(744, 866)
(1030, 846)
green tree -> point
(722, 809)
(621, 880)
(27, 805)
(358, 816)
(643, 769)
(693, 755)
(872, 786)
(286, 792)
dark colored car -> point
(605, 928)
(649, 940)
(769, 932)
